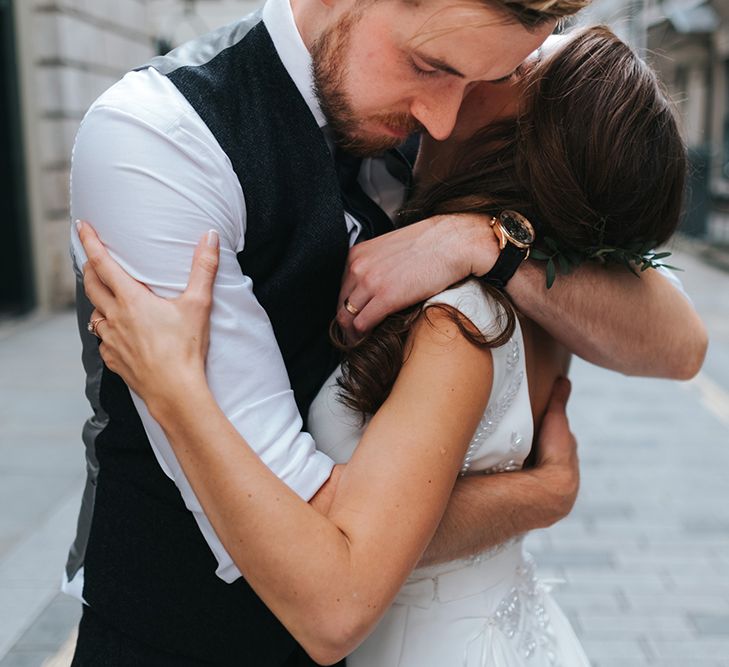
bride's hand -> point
(156, 345)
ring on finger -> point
(93, 325)
(351, 309)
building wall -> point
(70, 51)
(178, 21)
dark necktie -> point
(373, 219)
(399, 161)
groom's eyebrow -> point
(442, 65)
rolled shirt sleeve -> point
(151, 179)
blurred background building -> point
(57, 56)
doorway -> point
(16, 278)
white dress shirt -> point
(152, 179)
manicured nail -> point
(78, 224)
(213, 239)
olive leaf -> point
(551, 272)
(639, 255)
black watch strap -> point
(509, 260)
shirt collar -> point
(279, 21)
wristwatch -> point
(516, 235)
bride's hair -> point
(594, 157)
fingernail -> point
(213, 239)
(78, 224)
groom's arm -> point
(637, 326)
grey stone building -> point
(56, 57)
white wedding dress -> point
(488, 610)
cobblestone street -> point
(643, 559)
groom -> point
(226, 133)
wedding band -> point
(352, 310)
(93, 325)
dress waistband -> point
(468, 577)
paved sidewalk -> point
(645, 553)
(644, 556)
(42, 408)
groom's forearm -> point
(636, 326)
(487, 510)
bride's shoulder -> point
(473, 301)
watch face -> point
(517, 228)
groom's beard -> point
(346, 125)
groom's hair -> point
(531, 13)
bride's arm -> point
(328, 578)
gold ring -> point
(92, 326)
(352, 310)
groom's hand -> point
(409, 265)
(556, 466)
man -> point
(226, 134)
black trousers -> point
(100, 645)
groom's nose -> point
(437, 111)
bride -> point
(585, 146)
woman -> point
(593, 157)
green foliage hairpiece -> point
(637, 257)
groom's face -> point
(386, 68)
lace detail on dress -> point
(493, 416)
(514, 355)
(521, 616)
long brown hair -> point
(594, 157)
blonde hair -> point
(534, 12)
(529, 13)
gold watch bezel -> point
(504, 236)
